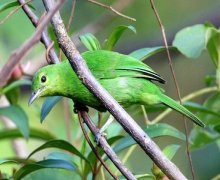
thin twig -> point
(112, 9)
(92, 147)
(184, 99)
(13, 12)
(16, 56)
(105, 146)
(44, 37)
(175, 82)
(71, 16)
(79, 66)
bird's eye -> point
(43, 79)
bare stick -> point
(107, 149)
(175, 82)
(13, 12)
(92, 147)
(44, 36)
(112, 9)
(16, 56)
(79, 66)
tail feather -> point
(178, 107)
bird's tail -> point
(178, 107)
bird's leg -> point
(103, 128)
(79, 107)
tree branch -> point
(105, 146)
(79, 66)
(44, 36)
(80, 114)
(16, 57)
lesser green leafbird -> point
(127, 79)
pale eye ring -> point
(43, 79)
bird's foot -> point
(98, 136)
(80, 107)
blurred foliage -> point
(67, 157)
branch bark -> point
(106, 147)
(79, 66)
(16, 56)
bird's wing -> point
(108, 64)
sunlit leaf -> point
(52, 173)
(190, 41)
(156, 130)
(171, 150)
(48, 104)
(49, 163)
(6, 161)
(90, 42)
(15, 84)
(60, 144)
(145, 53)
(116, 35)
(16, 114)
(34, 133)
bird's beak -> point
(34, 96)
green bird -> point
(127, 79)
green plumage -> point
(127, 79)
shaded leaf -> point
(115, 36)
(18, 116)
(34, 133)
(49, 163)
(54, 174)
(171, 150)
(15, 84)
(156, 130)
(13, 95)
(212, 103)
(60, 144)
(145, 53)
(200, 137)
(48, 104)
(90, 42)
(190, 41)
(213, 44)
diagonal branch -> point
(44, 36)
(16, 57)
(105, 146)
(79, 66)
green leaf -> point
(213, 44)
(212, 103)
(49, 163)
(145, 53)
(171, 150)
(61, 155)
(15, 84)
(6, 161)
(156, 130)
(115, 36)
(18, 116)
(60, 144)
(13, 95)
(190, 41)
(48, 104)
(90, 42)
(200, 137)
(34, 133)
(52, 173)
(11, 4)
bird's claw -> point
(79, 107)
(98, 136)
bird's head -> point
(43, 83)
